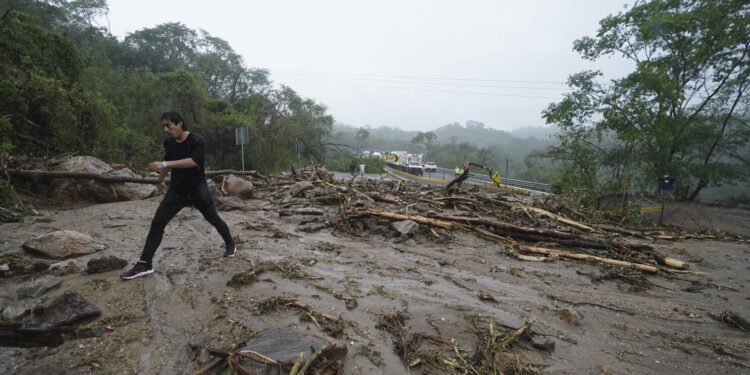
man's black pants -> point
(173, 202)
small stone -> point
(65, 267)
(38, 286)
(542, 343)
(570, 316)
(405, 227)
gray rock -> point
(38, 286)
(66, 310)
(229, 203)
(65, 267)
(542, 343)
(297, 189)
(192, 214)
(284, 345)
(405, 227)
(105, 264)
(62, 245)
(130, 190)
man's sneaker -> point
(140, 269)
(231, 251)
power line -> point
(418, 77)
(435, 83)
(431, 90)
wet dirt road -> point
(159, 324)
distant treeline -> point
(68, 85)
(453, 144)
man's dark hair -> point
(174, 118)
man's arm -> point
(164, 166)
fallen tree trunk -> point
(559, 218)
(567, 254)
(414, 218)
(535, 234)
(110, 178)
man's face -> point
(173, 130)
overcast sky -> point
(415, 65)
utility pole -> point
(299, 159)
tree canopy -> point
(67, 85)
(682, 110)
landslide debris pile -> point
(531, 229)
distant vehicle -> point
(365, 154)
(430, 166)
(416, 168)
(377, 155)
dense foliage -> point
(683, 110)
(67, 85)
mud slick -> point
(373, 276)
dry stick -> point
(517, 333)
(308, 363)
(566, 254)
(298, 364)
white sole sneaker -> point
(144, 273)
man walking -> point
(184, 154)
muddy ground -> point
(160, 324)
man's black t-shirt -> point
(194, 147)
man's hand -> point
(155, 166)
(162, 187)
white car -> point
(430, 166)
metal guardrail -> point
(483, 178)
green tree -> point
(676, 112)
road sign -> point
(241, 136)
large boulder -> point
(130, 191)
(62, 244)
(69, 190)
(66, 310)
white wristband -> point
(164, 164)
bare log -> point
(109, 178)
(559, 218)
(567, 254)
(536, 234)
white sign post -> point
(241, 138)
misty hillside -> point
(455, 144)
